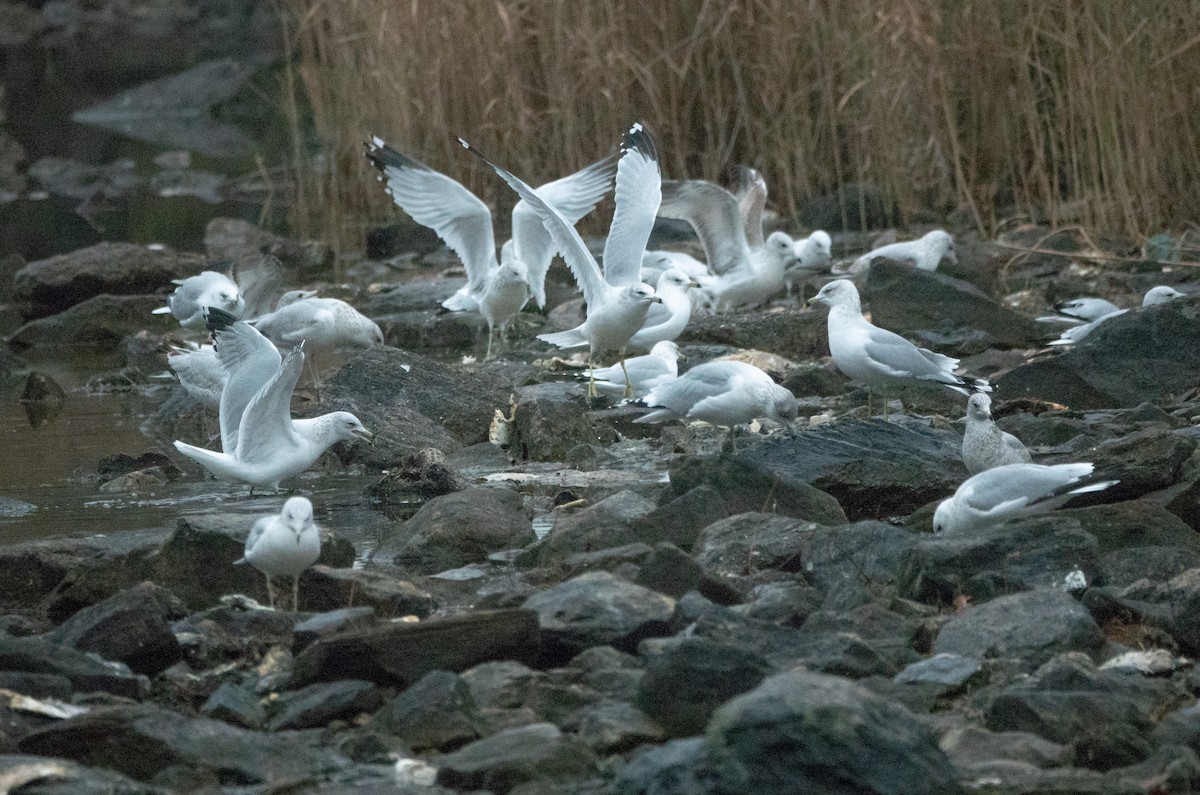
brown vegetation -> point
(1066, 111)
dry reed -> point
(1074, 111)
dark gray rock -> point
(688, 678)
(934, 309)
(436, 712)
(36, 685)
(51, 285)
(786, 602)
(224, 633)
(236, 239)
(316, 705)
(805, 732)
(597, 608)
(680, 519)
(752, 542)
(86, 673)
(399, 654)
(130, 627)
(744, 486)
(792, 333)
(332, 622)
(608, 523)
(977, 751)
(905, 468)
(531, 753)
(421, 476)
(550, 420)
(614, 727)
(1144, 354)
(460, 528)
(1178, 602)
(952, 670)
(326, 588)
(503, 684)
(1145, 461)
(235, 705)
(1031, 627)
(668, 769)
(37, 775)
(99, 322)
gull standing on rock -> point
(194, 293)
(617, 302)
(984, 445)
(1013, 490)
(722, 393)
(879, 358)
(261, 443)
(284, 545)
(645, 372)
(464, 223)
(1154, 296)
(923, 253)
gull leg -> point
(883, 392)
(296, 594)
(628, 383)
(270, 592)
(488, 356)
(591, 378)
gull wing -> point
(751, 194)
(249, 359)
(713, 213)
(638, 194)
(267, 421)
(1007, 488)
(259, 284)
(434, 200)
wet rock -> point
(674, 768)
(1144, 461)
(86, 673)
(597, 608)
(235, 705)
(141, 741)
(791, 333)
(234, 239)
(550, 420)
(1144, 354)
(436, 712)
(608, 523)
(38, 775)
(130, 627)
(326, 588)
(401, 653)
(141, 482)
(751, 542)
(220, 634)
(538, 752)
(316, 705)
(907, 466)
(421, 476)
(460, 528)
(1031, 627)
(102, 322)
(688, 678)
(42, 399)
(806, 732)
(744, 486)
(944, 313)
(51, 285)
(117, 464)
(332, 622)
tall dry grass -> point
(1080, 111)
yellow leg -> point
(270, 593)
(487, 357)
(591, 379)
(628, 383)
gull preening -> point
(643, 372)
(261, 444)
(1013, 490)
(924, 253)
(723, 393)
(814, 255)
(1154, 296)
(617, 302)
(985, 446)
(880, 358)
(496, 289)
(193, 294)
(284, 545)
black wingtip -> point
(217, 319)
(383, 156)
(638, 138)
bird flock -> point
(638, 302)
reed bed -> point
(1072, 111)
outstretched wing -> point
(638, 195)
(249, 359)
(713, 213)
(266, 427)
(751, 192)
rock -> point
(332, 622)
(1144, 354)
(668, 769)
(86, 673)
(944, 313)
(688, 678)
(220, 634)
(806, 732)
(908, 466)
(400, 653)
(427, 331)
(670, 571)
(550, 420)
(51, 285)
(952, 670)
(1178, 599)
(606, 524)
(973, 750)
(460, 528)
(37, 775)
(235, 705)
(405, 237)
(326, 588)
(537, 752)
(680, 520)
(791, 333)
(316, 705)
(436, 713)
(129, 627)
(597, 608)
(424, 474)
(615, 727)
(745, 487)
(751, 542)
(1030, 627)
(1144, 461)
(141, 741)
(234, 239)
(101, 322)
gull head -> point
(226, 298)
(512, 272)
(297, 514)
(816, 249)
(1161, 295)
(347, 426)
(363, 334)
(782, 405)
(674, 279)
(640, 294)
(840, 292)
(979, 407)
(942, 244)
(665, 349)
(292, 296)
(946, 518)
(781, 245)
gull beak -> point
(364, 434)
(656, 300)
(952, 257)
(694, 283)
(811, 301)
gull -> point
(1013, 490)
(813, 256)
(200, 373)
(284, 545)
(923, 253)
(324, 325)
(664, 321)
(1080, 310)
(617, 302)
(261, 444)
(194, 293)
(722, 393)
(259, 283)
(984, 445)
(655, 263)
(292, 296)
(1155, 295)
(749, 270)
(464, 223)
(878, 357)
(645, 372)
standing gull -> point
(645, 372)
(1154, 296)
(984, 445)
(723, 393)
(924, 253)
(261, 443)
(497, 290)
(1013, 490)
(284, 545)
(617, 302)
(877, 357)
(205, 289)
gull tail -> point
(564, 339)
(1099, 485)
(162, 310)
(220, 464)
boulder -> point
(744, 486)
(130, 627)
(791, 333)
(550, 420)
(435, 713)
(538, 752)
(608, 523)
(460, 528)
(613, 727)
(86, 673)
(316, 705)
(99, 322)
